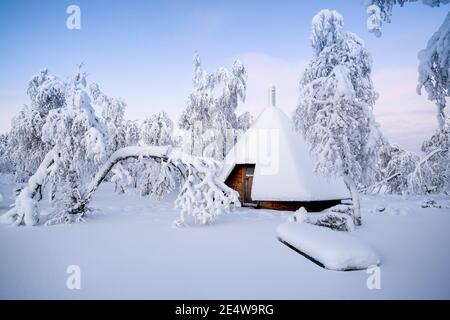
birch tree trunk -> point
(440, 115)
(355, 199)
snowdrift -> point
(333, 250)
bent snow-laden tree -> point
(335, 105)
(202, 197)
(25, 210)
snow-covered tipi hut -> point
(270, 167)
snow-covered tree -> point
(230, 88)
(210, 117)
(132, 167)
(432, 173)
(157, 130)
(335, 105)
(26, 147)
(78, 151)
(396, 165)
(121, 178)
(78, 139)
(203, 195)
(132, 133)
(112, 114)
(381, 10)
(245, 121)
(155, 178)
(46, 92)
(195, 119)
(6, 163)
(434, 72)
(434, 69)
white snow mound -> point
(334, 249)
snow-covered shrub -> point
(336, 221)
(337, 218)
(335, 106)
(430, 203)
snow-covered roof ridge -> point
(284, 169)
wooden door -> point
(248, 189)
(248, 183)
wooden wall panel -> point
(236, 181)
(313, 206)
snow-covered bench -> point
(333, 250)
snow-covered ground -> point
(129, 249)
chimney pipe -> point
(272, 97)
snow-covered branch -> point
(381, 10)
(203, 196)
(123, 154)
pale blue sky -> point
(142, 51)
